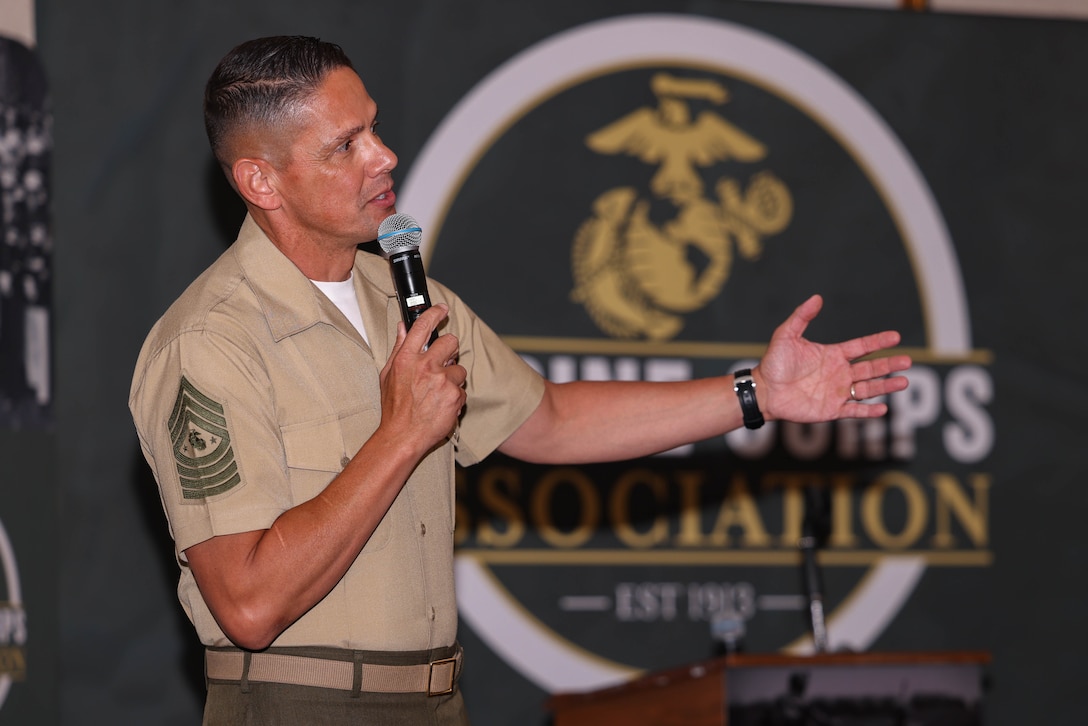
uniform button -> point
(432, 614)
(422, 528)
(344, 461)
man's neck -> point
(324, 263)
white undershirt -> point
(342, 295)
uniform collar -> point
(291, 303)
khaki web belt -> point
(435, 678)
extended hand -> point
(808, 382)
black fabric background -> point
(991, 109)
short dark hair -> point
(261, 81)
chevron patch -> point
(201, 442)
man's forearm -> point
(590, 421)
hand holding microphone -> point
(426, 385)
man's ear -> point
(254, 179)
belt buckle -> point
(452, 663)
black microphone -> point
(399, 236)
(814, 531)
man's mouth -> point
(385, 198)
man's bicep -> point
(530, 440)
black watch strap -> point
(745, 386)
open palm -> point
(809, 382)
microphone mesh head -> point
(399, 232)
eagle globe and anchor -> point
(636, 278)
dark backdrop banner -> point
(635, 190)
(29, 648)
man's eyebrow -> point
(352, 132)
(356, 130)
(336, 141)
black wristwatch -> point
(745, 386)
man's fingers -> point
(872, 387)
(879, 367)
(856, 348)
(425, 325)
(446, 349)
(802, 315)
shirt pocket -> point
(315, 454)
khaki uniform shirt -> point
(253, 391)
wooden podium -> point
(703, 693)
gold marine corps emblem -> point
(636, 278)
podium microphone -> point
(814, 531)
(399, 236)
(814, 591)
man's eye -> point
(345, 146)
(374, 127)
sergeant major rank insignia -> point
(201, 443)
